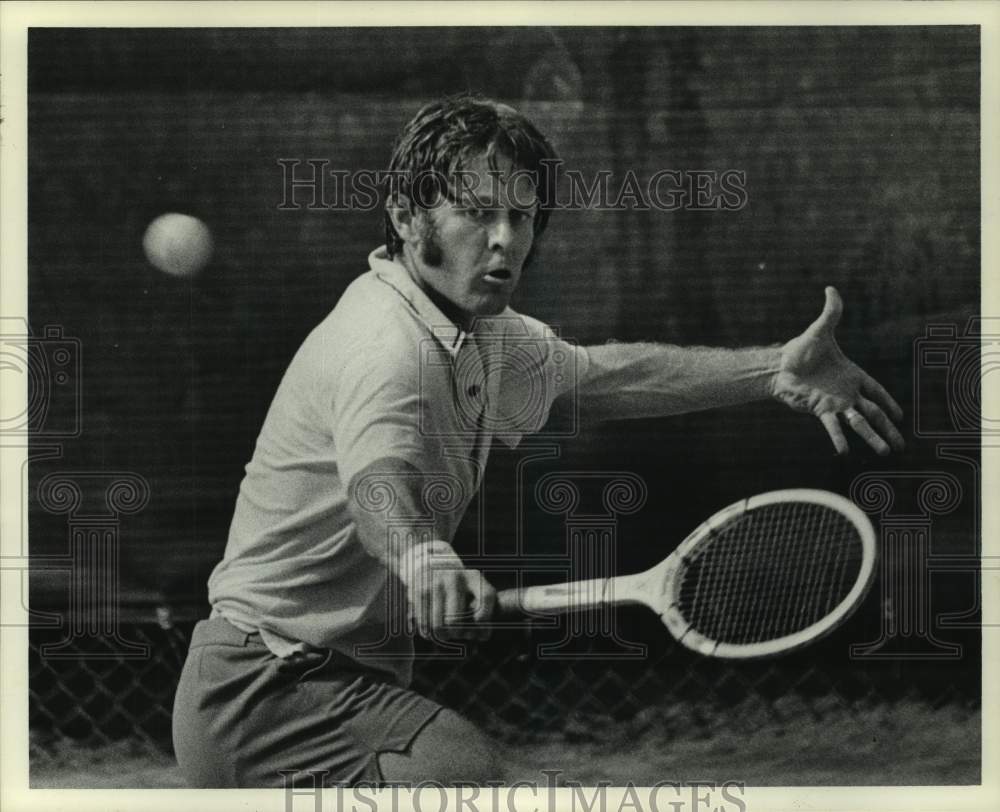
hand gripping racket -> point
(763, 576)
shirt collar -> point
(394, 274)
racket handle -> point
(509, 602)
(553, 599)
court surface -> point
(907, 743)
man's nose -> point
(500, 234)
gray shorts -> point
(246, 718)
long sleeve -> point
(653, 380)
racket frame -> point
(672, 569)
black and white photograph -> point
(544, 410)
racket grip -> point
(554, 599)
(508, 602)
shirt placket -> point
(478, 393)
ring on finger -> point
(851, 414)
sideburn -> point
(430, 246)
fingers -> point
(451, 604)
(863, 429)
(878, 393)
(832, 426)
(869, 422)
(484, 603)
(833, 307)
(454, 599)
(424, 602)
(483, 606)
(428, 599)
(881, 423)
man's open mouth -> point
(499, 275)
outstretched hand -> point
(816, 377)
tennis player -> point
(375, 444)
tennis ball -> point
(178, 244)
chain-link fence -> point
(96, 691)
(528, 684)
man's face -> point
(469, 252)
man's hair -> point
(446, 134)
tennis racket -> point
(763, 576)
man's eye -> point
(521, 215)
(474, 213)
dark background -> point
(861, 150)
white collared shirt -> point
(384, 375)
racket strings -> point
(770, 572)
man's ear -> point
(404, 218)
